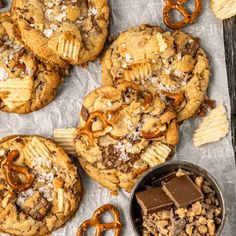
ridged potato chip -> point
(223, 9)
(16, 92)
(69, 47)
(213, 127)
(156, 154)
(65, 139)
(35, 149)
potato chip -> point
(156, 154)
(35, 149)
(213, 127)
(69, 47)
(223, 9)
(60, 195)
(16, 92)
(65, 139)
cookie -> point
(71, 32)
(123, 132)
(172, 64)
(26, 84)
(39, 186)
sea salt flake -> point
(121, 147)
(29, 71)
(128, 58)
(109, 104)
(178, 73)
(54, 27)
(92, 11)
(48, 13)
(47, 32)
(60, 17)
(3, 74)
(50, 4)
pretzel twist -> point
(87, 129)
(176, 97)
(189, 18)
(101, 227)
(9, 168)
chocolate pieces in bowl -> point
(177, 199)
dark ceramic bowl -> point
(146, 179)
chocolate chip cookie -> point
(123, 132)
(63, 31)
(171, 64)
(39, 186)
(26, 84)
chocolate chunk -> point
(182, 191)
(1, 4)
(153, 200)
(84, 113)
(36, 206)
(164, 179)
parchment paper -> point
(217, 158)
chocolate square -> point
(153, 200)
(182, 191)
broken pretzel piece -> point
(189, 18)
(101, 227)
(9, 168)
(87, 129)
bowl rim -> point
(172, 163)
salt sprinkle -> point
(92, 11)
(47, 32)
(3, 74)
(122, 148)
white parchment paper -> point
(217, 158)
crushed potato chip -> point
(65, 139)
(223, 9)
(213, 127)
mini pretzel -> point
(147, 100)
(177, 97)
(87, 129)
(178, 5)
(101, 227)
(154, 134)
(9, 168)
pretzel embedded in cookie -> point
(189, 18)
(87, 129)
(9, 168)
(101, 227)
(176, 97)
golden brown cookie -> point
(26, 84)
(39, 186)
(172, 64)
(62, 31)
(123, 132)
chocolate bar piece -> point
(182, 191)
(163, 179)
(153, 200)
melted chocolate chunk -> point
(84, 113)
(112, 158)
(192, 48)
(36, 206)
